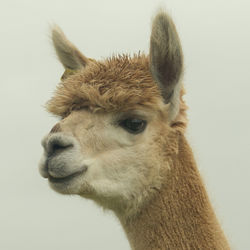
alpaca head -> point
(118, 117)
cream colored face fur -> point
(88, 153)
(116, 168)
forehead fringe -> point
(115, 84)
(119, 83)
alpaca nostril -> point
(57, 148)
(57, 145)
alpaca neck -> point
(179, 216)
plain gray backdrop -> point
(216, 37)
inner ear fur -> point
(71, 58)
(166, 57)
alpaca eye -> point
(133, 125)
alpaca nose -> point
(57, 146)
(57, 143)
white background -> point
(216, 40)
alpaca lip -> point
(66, 178)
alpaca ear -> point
(71, 58)
(166, 59)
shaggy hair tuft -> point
(119, 83)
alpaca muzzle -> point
(60, 156)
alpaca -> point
(121, 143)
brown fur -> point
(166, 58)
(68, 54)
(116, 84)
(173, 210)
(180, 215)
(56, 129)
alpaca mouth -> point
(66, 178)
